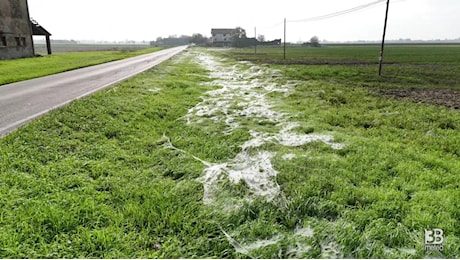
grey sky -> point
(148, 19)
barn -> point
(16, 30)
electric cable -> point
(339, 13)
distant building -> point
(16, 30)
(274, 42)
(236, 38)
(222, 37)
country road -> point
(23, 101)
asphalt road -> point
(24, 101)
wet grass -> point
(396, 175)
(96, 179)
(29, 68)
(394, 178)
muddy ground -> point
(444, 97)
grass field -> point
(211, 156)
(80, 47)
(29, 68)
(423, 73)
(434, 66)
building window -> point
(3, 42)
(20, 41)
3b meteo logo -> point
(434, 239)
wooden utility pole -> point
(48, 44)
(284, 38)
(255, 40)
(383, 39)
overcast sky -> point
(119, 20)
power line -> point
(332, 15)
(344, 12)
(272, 26)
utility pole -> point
(255, 40)
(284, 38)
(383, 39)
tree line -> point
(174, 40)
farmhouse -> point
(222, 37)
(16, 30)
(225, 37)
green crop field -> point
(29, 68)
(423, 73)
(434, 66)
(223, 153)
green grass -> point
(92, 180)
(29, 68)
(405, 66)
(95, 179)
(401, 54)
(81, 47)
(397, 174)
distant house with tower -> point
(225, 37)
(222, 37)
(236, 38)
(17, 29)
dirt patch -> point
(444, 97)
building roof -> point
(37, 29)
(222, 31)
